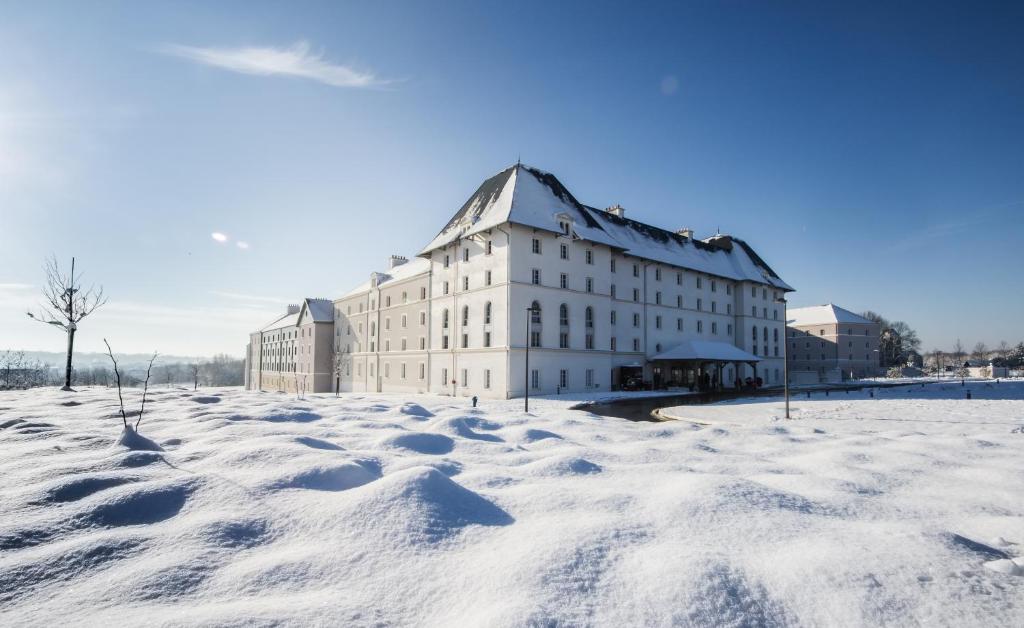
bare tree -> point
(117, 377)
(194, 370)
(66, 305)
(958, 354)
(1003, 349)
(980, 351)
(120, 396)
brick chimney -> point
(395, 261)
(293, 309)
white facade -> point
(615, 297)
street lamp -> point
(785, 353)
(530, 311)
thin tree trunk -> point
(67, 370)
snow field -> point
(368, 509)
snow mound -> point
(423, 443)
(340, 477)
(415, 409)
(565, 465)
(134, 441)
(463, 427)
(423, 505)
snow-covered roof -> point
(413, 267)
(534, 198)
(288, 320)
(822, 314)
(322, 310)
(707, 350)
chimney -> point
(617, 210)
(293, 309)
(686, 232)
(396, 260)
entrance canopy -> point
(706, 350)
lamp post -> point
(526, 380)
(785, 353)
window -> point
(714, 286)
(636, 270)
(590, 378)
(422, 369)
(535, 276)
(403, 344)
(563, 281)
(423, 293)
(679, 324)
(444, 318)
(699, 283)
(465, 254)
(728, 308)
(444, 377)
(700, 327)
(405, 321)
(563, 315)
(679, 279)
(534, 338)
(535, 246)
(764, 312)
(535, 313)
(563, 340)
(563, 251)
(636, 295)
(753, 292)
(714, 307)
(487, 338)
(488, 247)
(714, 327)
(487, 378)
(636, 320)
(465, 283)
(589, 315)
(614, 348)
(447, 261)
(613, 291)
(465, 341)
(764, 294)
(535, 379)
(590, 256)
(444, 288)
(444, 341)
(403, 370)
(679, 300)
(487, 313)
(657, 322)
(728, 329)
(564, 226)
(613, 317)
(753, 310)
(387, 303)
(465, 315)
(465, 377)
(387, 323)
(423, 343)
(613, 264)
(699, 305)
(563, 378)
(657, 298)
(590, 284)
(636, 344)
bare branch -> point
(117, 374)
(145, 389)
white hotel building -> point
(611, 298)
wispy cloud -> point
(237, 296)
(296, 60)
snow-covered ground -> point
(905, 509)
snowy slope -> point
(386, 510)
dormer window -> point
(565, 225)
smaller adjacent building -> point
(829, 343)
(293, 352)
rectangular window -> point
(534, 338)
(447, 261)
(487, 338)
(636, 320)
(444, 288)
(700, 305)
(444, 377)
(563, 378)
(679, 324)
(487, 278)
(563, 251)
(753, 292)
(589, 341)
(613, 316)
(714, 327)
(613, 264)
(714, 306)
(657, 322)
(657, 274)
(487, 378)
(700, 327)
(563, 340)
(728, 330)
(403, 344)
(590, 378)
(403, 370)
(636, 270)
(679, 279)
(535, 246)
(563, 281)
(534, 379)
(465, 254)
(699, 283)
(753, 310)
(423, 343)
(590, 256)
(387, 303)
(657, 298)
(465, 341)
(535, 276)
(614, 348)
(679, 300)
(714, 286)
(488, 247)
(613, 290)
(444, 342)
(422, 369)
(636, 344)
(728, 289)
(465, 378)
(636, 295)
(590, 284)
(728, 308)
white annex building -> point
(597, 300)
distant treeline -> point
(19, 372)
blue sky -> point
(873, 154)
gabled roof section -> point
(707, 350)
(823, 315)
(317, 310)
(534, 198)
(525, 196)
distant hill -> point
(89, 360)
